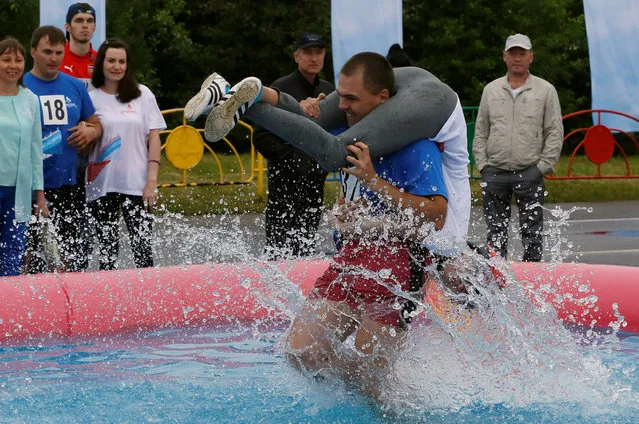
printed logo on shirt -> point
(69, 68)
(109, 153)
(87, 83)
(94, 169)
(112, 149)
(351, 187)
(129, 109)
(52, 143)
(90, 69)
(70, 103)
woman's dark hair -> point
(397, 56)
(128, 88)
(11, 45)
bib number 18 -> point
(54, 110)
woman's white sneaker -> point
(213, 89)
(231, 108)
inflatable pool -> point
(109, 302)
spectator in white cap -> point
(518, 139)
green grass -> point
(230, 194)
(233, 197)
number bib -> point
(54, 110)
(351, 187)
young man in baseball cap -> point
(78, 51)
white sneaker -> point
(213, 88)
(231, 108)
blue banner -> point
(364, 25)
(54, 12)
(613, 33)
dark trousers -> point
(88, 231)
(107, 211)
(12, 234)
(528, 188)
(292, 216)
(70, 216)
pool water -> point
(232, 374)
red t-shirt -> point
(80, 67)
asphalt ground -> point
(594, 233)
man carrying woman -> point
(420, 106)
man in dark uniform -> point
(295, 181)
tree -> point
(18, 19)
(177, 43)
(462, 42)
(162, 50)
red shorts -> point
(361, 274)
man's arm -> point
(482, 130)
(85, 133)
(553, 132)
(426, 208)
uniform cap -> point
(76, 8)
(310, 40)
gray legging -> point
(419, 109)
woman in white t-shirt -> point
(123, 166)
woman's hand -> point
(364, 170)
(40, 209)
(349, 211)
(150, 197)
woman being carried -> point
(421, 107)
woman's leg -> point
(12, 235)
(419, 109)
(139, 223)
(106, 211)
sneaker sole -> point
(220, 121)
(197, 104)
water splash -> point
(560, 246)
(516, 354)
(510, 352)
